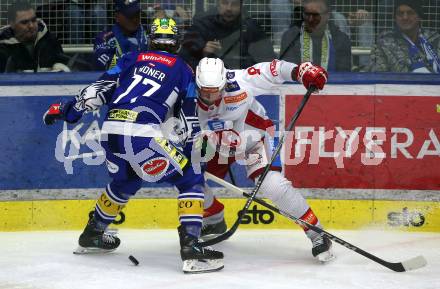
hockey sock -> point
(108, 206)
(214, 210)
(190, 209)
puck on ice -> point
(133, 260)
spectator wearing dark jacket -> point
(317, 40)
(27, 45)
(224, 33)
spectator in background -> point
(175, 9)
(317, 40)
(361, 21)
(76, 13)
(74, 20)
(126, 35)
(27, 45)
(227, 34)
(409, 47)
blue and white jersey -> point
(143, 88)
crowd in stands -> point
(318, 33)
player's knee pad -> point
(190, 206)
(280, 191)
(275, 185)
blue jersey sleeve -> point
(92, 97)
(104, 51)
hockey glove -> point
(311, 75)
(52, 114)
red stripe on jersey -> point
(257, 121)
(202, 105)
(168, 61)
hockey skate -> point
(95, 241)
(210, 231)
(322, 249)
(198, 259)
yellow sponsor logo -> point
(122, 114)
(190, 207)
(172, 151)
(108, 206)
(438, 108)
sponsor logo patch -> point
(122, 114)
(168, 61)
(273, 67)
(156, 166)
(232, 108)
(235, 98)
(232, 86)
(230, 74)
(172, 151)
(216, 124)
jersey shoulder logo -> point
(154, 57)
(273, 67)
(232, 86)
(230, 74)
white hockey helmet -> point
(210, 78)
(211, 72)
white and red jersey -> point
(237, 112)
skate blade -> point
(111, 231)
(84, 251)
(208, 237)
(326, 256)
(195, 266)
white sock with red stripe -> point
(280, 191)
(214, 210)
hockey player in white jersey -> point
(237, 128)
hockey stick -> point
(231, 175)
(277, 150)
(411, 264)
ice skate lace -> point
(108, 238)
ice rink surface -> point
(253, 259)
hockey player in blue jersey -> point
(142, 92)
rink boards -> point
(162, 213)
(364, 154)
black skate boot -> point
(322, 248)
(213, 230)
(94, 240)
(198, 259)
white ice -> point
(253, 259)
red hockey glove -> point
(311, 75)
(52, 114)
